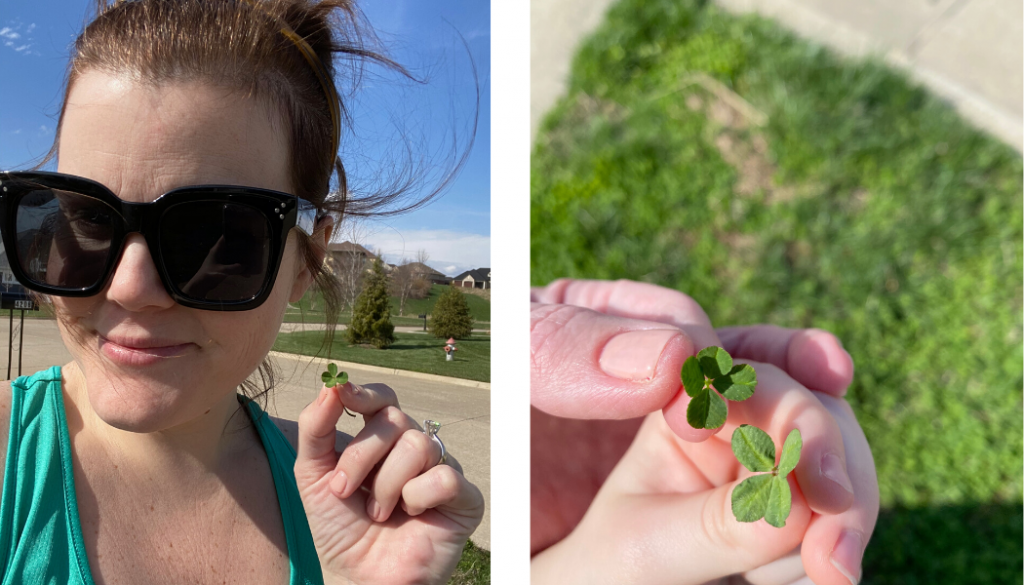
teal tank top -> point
(40, 535)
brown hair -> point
(240, 44)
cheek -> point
(250, 335)
(72, 317)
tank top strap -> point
(305, 564)
(40, 538)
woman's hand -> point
(664, 515)
(572, 457)
(384, 510)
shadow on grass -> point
(952, 545)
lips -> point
(139, 351)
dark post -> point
(21, 339)
(10, 344)
(424, 317)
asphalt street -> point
(462, 407)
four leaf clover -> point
(765, 495)
(332, 377)
(713, 367)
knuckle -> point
(446, 481)
(414, 441)
(394, 416)
(305, 417)
(547, 324)
(355, 455)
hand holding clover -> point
(761, 496)
(654, 494)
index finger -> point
(368, 399)
(813, 357)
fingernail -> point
(322, 396)
(832, 468)
(338, 483)
(847, 554)
(372, 508)
(634, 355)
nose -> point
(136, 284)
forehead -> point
(142, 140)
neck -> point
(194, 455)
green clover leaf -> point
(766, 495)
(707, 410)
(332, 377)
(738, 384)
(790, 452)
(712, 366)
(753, 448)
(714, 361)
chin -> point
(145, 401)
(136, 405)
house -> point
(476, 278)
(421, 270)
(347, 250)
(352, 254)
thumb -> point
(585, 364)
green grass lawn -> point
(474, 567)
(417, 352)
(479, 308)
(863, 206)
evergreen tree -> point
(371, 319)
(451, 317)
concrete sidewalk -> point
(965, 51)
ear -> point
(321, 237)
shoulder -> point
(290, 430)
(5, 423)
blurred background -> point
(849, 165)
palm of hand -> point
(569, 461)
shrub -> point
(420, 289)
(451, 316)
(371, 320)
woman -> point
(195, 152)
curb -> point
(277, 355)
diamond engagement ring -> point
(430, 428)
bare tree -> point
(401, 283)
(408, 278)
(349, 261)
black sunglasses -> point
(216, 247)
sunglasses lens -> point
(215, 251)
(64, 238)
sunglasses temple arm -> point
(307, 217)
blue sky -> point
(454, 230)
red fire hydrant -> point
(450, 349)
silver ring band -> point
(431, 429)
